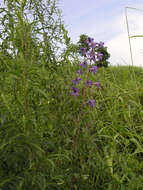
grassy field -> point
(63, 125)
(50, 140)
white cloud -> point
(118, 46)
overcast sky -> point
(104, 20)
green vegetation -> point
(72, 50)
(50, 140)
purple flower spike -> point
(91, 103)
(83, 64)
(100, 56)
(97, 84)
(75, 92)
(83, 51)
(88, 83)
(80, 72)
(76, 80)
(101, 44)
(94, 69)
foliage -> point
(48, 139)
(70, 50)
(104, 62)
(82, 41)
(40, 20)
(27, 74)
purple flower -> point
(76, 80)
(91, 102)
(101, 44)
(80, 72)
(88, 83)
(97, 84)
(75, 92)
(100, 56)
(91, 53)
(83, 64)
(94, 69)
(89, 40)
(94, 45)
(83, 51)
(92, 56)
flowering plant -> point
(88, 67)
(83, 44)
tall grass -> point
(47, 140)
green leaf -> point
(136, 36)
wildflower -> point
(91, 103)
(91, 53)
(80, 72)
(100, 56)
(92, 56)
(76, 80)
(83, 64)
(75, 92)
(101, 44)
(83, 51)
(94, 69)
(88, 83)
(97, 84)
(89, 40)
(94, 45)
